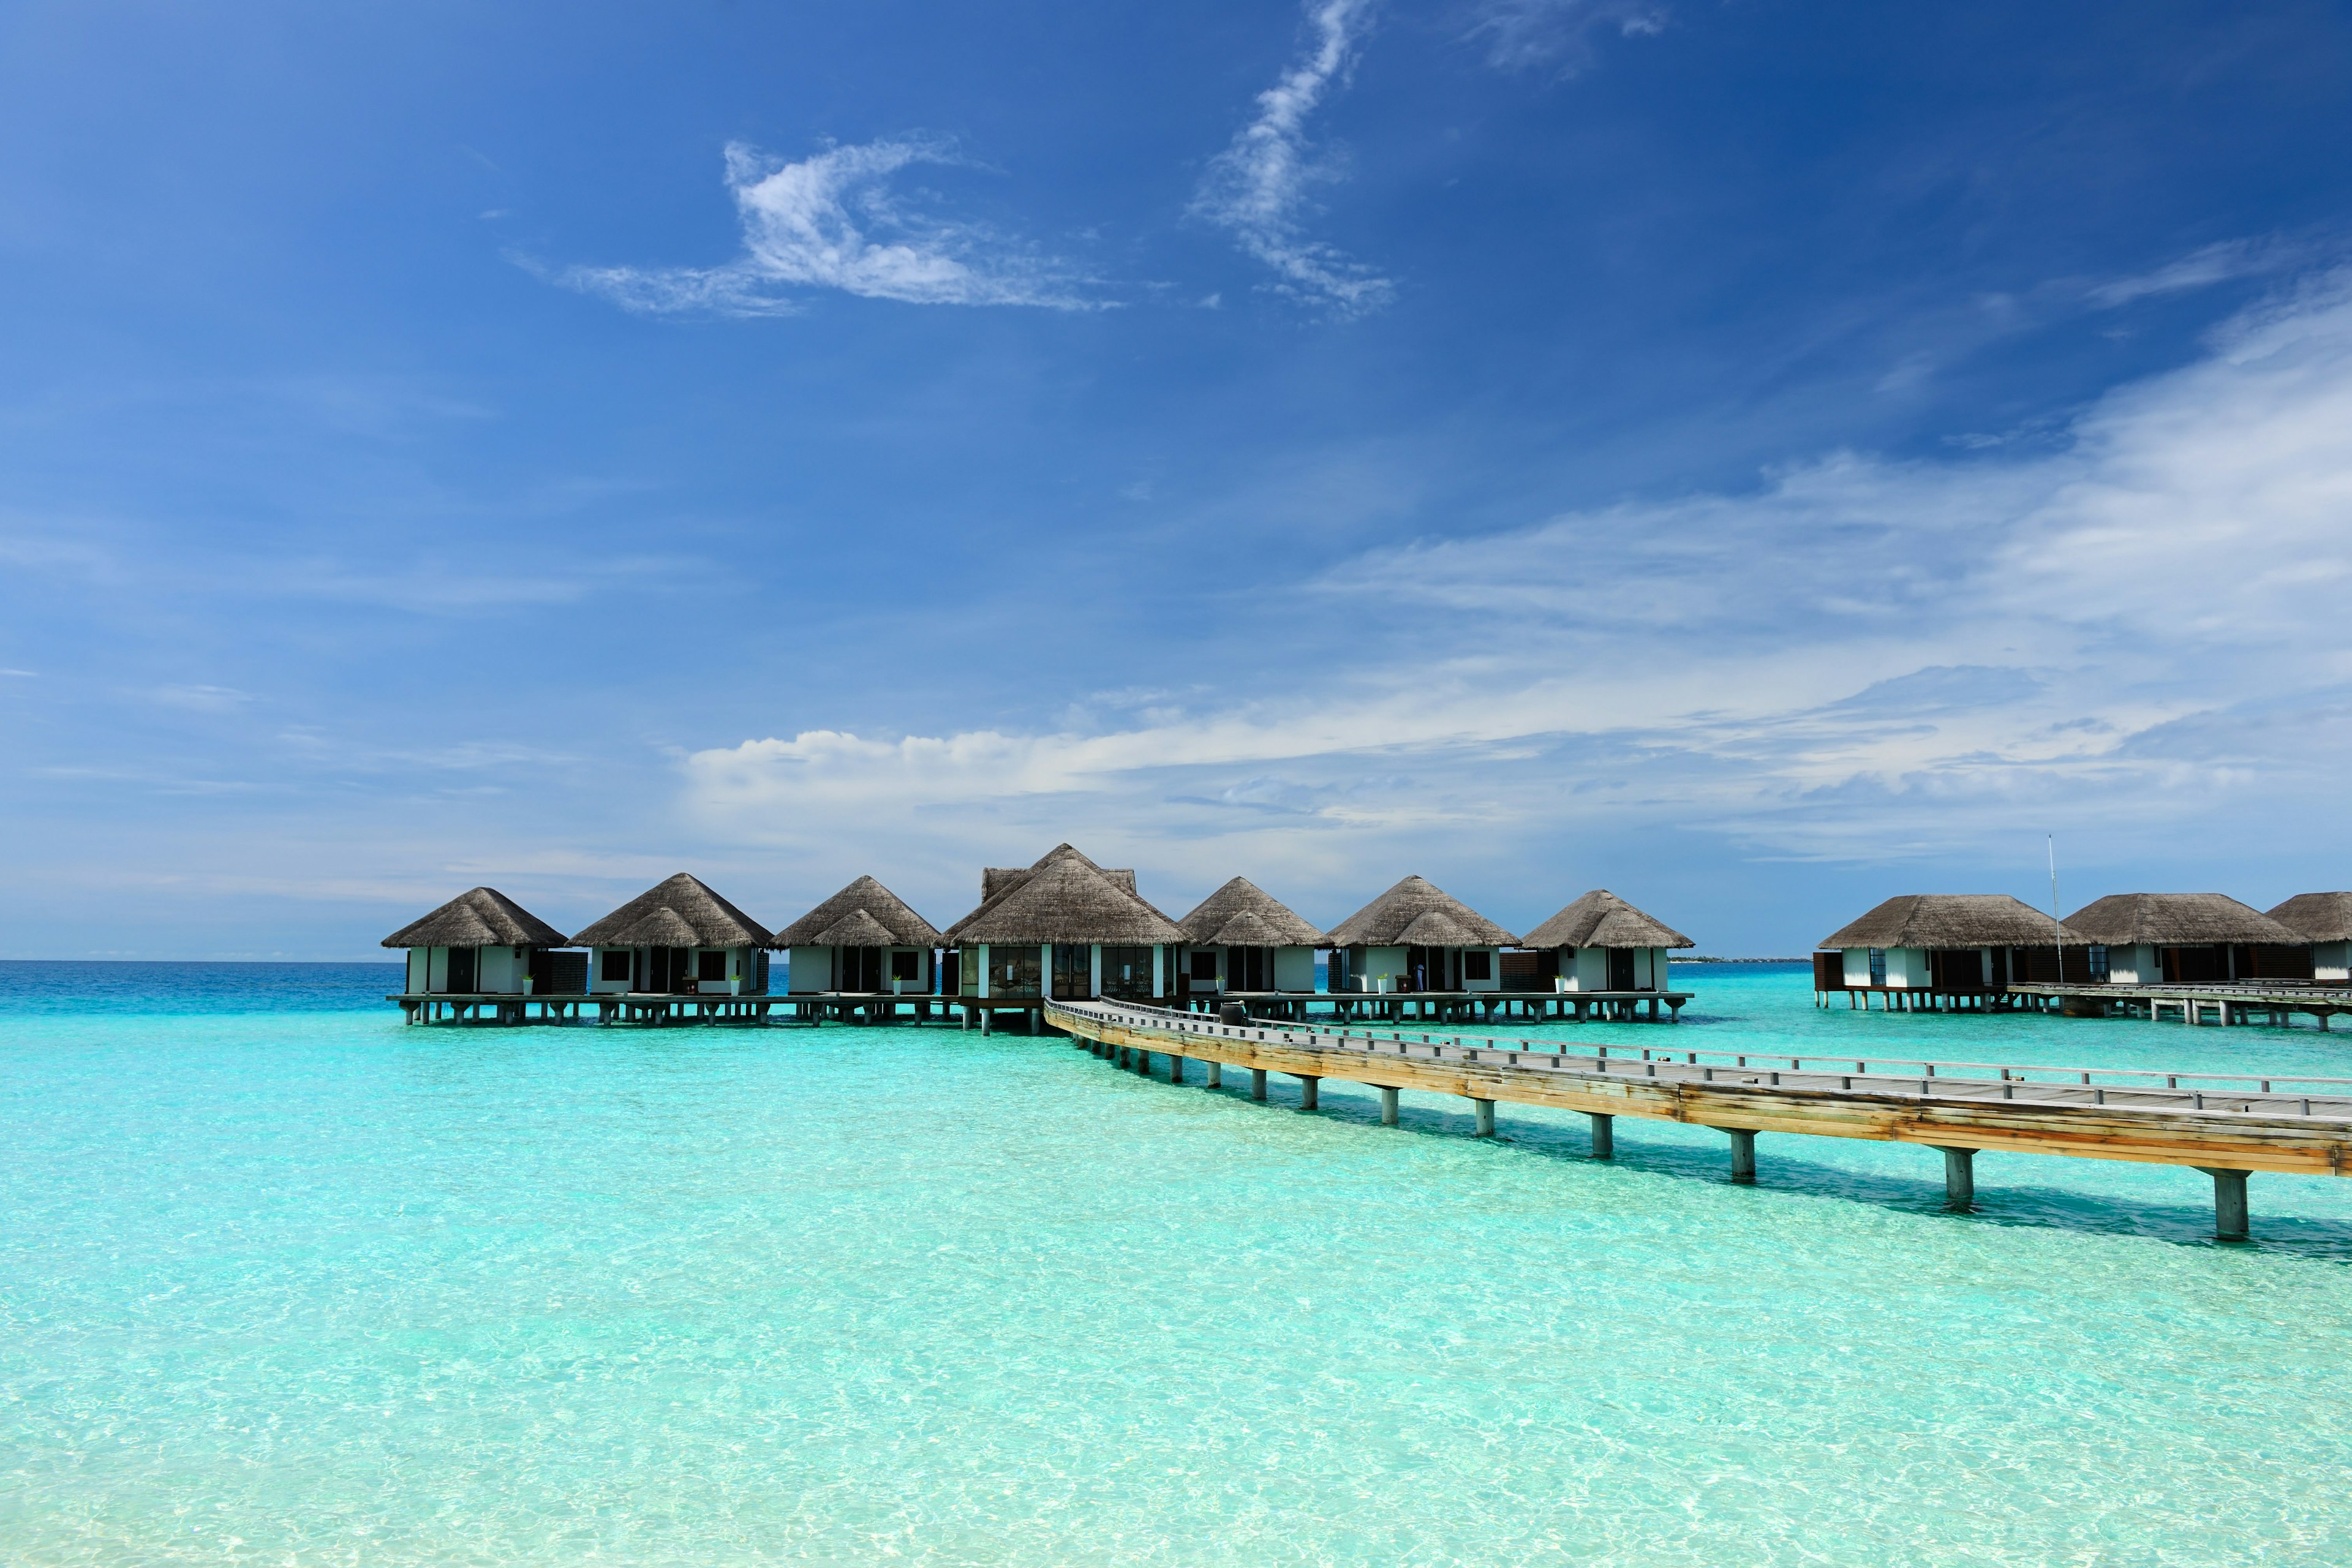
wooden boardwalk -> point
(2225, 1125)
(2214, 1003)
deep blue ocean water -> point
(284, 1281)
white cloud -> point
(2220, 263)
(1258, 186)
(830, 221)
(1558, 34)
(1862, 658)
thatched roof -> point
(2178, 920)
(1602, 919)
(1415, 913)
(680, 913)
(1242, 914)
(995, 881)
(479, 917)
(1954, 919)
(2318, 917)
(883, 911)
(1064, 897)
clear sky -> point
(1756, 457)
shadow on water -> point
(1779, 1171)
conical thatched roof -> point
(1242, 914)
(479, 917)
(1403, 916)
(1065, 898)
(1954, 919)
(900, 926)
(995, 881)
(680, 913)
(2318, 917)
(2179, 920)
(1602, 919)
(855, 929)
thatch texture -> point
(855, 929)
(884, 909)
(481, 917)
(1602, 919)
(2179, 920)
(1954, 919)
(1415, 913)
(680, 913)
(1064, 897)
(2318, 917)
(995, 881)
(1242, 914)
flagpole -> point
(2057, 930)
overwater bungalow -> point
(1952, 950)
(1243, 938)
(864, 939)
(1600, 943)
(1417, 938)
(2190, 939)
(482, 942)
(2324, 920)
(677, 937)
(1063, 927)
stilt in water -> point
(1257, 1083)
(1604, 1135)
(1309, 1097)
(1388, 1107)
(1960, 1179)
(1743, 1154)
(2229, 1219)
(1482, 1113)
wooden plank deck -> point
(2275, 1002)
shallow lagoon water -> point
(281, 1280)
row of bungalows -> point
(1968, 951)
(1064, 927)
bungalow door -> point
(462, 970)
(1621, 969)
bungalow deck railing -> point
(1956, 1079)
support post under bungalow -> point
(1960, 1179)
(1308, 1091)
(1388, 1107)
(1604, 1135)
(1485, 1114)
(1743, 1154)
(1257, 1083)
(2230, 1221)
(1175, 1068)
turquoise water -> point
(281, 1281)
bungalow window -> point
(711, 966)
(1127, 972)
(2097, 957)
(1204, 968)
(903, 965)
(612, 964)
(1878, 967)
(1478, 966)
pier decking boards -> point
(2226, 1126)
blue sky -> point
(1756, 457)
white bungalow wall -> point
(2140, 965)
(2329, 961)
(1294, 969)
(1907, 968)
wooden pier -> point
(662, 1009)
(2225, 1005)
(1452, 1007)
(2224, 1125)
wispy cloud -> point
(831, 221)
(1859, 660)
(2220, 263)
(1258, 187)
(1557, 35)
